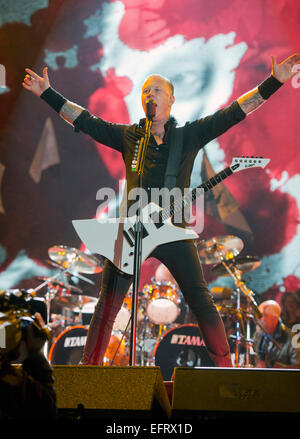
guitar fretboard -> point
(181, 203)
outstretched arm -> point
(80, 118)
(281, 73)
(40, 86)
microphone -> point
(150, 109)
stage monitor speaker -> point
(111, 390)
(232, 390)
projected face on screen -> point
(202, 71)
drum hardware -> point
(120, 329)
(50, 290)
(148, 335)
(223, 251)
(117, 351)
(244, 264)
(67, 260)
(242, 329)
(120, 343)
(148, 332)
(63, 285)
(84, 311)
(234, 267)
(123, 320)
(219, 248)
(75, 260)
(222, 295)
(68, 274)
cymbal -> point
(222, 294)
(70, 273)
(70, 301)
(63, 285)
(244, 264)
(75, 260)
(213, 250)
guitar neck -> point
(181, 203)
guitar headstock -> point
(245, 162)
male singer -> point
(181, 257)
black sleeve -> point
(210, 127)
(53, 98)
(110, 134)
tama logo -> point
(71, 342)
(194, 340)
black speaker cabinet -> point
(236, 390)
(111, 390)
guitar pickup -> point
(128, 239)
(132, 233)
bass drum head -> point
(182, 346)
(69, 345)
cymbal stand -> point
(47, 283)
(238, 335)
(49, 296)
(241, 287)
(248, 339)
(236, 275)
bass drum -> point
(69, 345)
(182, 346)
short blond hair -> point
(170, 84)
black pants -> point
(182, 260)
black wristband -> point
(269, 86)
(53, 98)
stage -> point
(94, 392)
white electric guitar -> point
(114, 238)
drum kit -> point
(164, 338)
(237, 307)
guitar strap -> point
(175, 152)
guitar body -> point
(113, 238)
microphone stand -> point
(139, 168)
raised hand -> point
(35, 83)
(284, 71)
